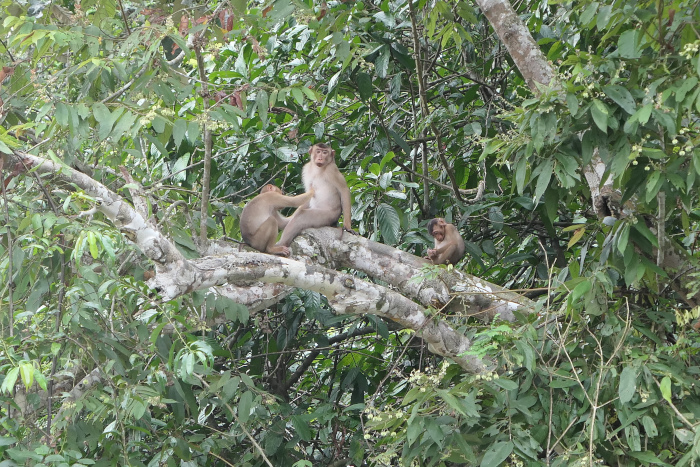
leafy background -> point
(610, 378)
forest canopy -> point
(557, 137)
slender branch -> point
(124, 88)
(479, 191)
(126, 22)
(424, 103)
(10, 247)
(206, 178)
(291, 381)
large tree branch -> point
(345, 293)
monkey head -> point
(437, 227)
(321, 154)
(270, 187)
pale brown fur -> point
(449, 245)
(260, 220)
(332, 196)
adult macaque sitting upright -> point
(449, 245)
(260, 220)
(331, 197)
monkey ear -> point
(311, 149)
(333, 153)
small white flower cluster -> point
(487, 376)
(690, 50)
(148, 118)
(643, 395)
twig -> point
(126, 23)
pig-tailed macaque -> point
(260, 220)
(331, 198)
(449, 245)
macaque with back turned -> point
(449, 245)
(260, 220)
(331, 198)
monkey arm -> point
(281, 201)
(442, 254)
(346, 204)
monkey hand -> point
(345, 229)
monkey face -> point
(321, 155)
(438, 230)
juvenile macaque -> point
(331, 198)
(260, 220)
(449, 245)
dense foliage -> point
(417, 99)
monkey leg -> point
(444, 256)
(265, 237)
(304, 219)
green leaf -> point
(580, 290)
(545, 175)
(642, 228)
(302, 427)
(496, 218)
(578, 234)
(521, 174)
(599, 112)
(8, 384)
(245, 403)
(92, 242)
(665, 388)
(621, 96)
(124, 125)
(101, 112)
(263, 104)
(382, 62)
(7, 440)
(642, 114)
(628, 44)
(298, 95)
(364, 85)
(193, 131)
(589, 13)
(628, 384)
(623, 239)
(528, 354)
(26, 370)
(649, 426)
(562, 383)
(506, 384)
(332, 83)
(646, 457)
(497, 453)
(389, 223)
(399, 140)
(654, 184)
(179, 131)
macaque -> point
(260, 220)
(449, 245)
(331, 198)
